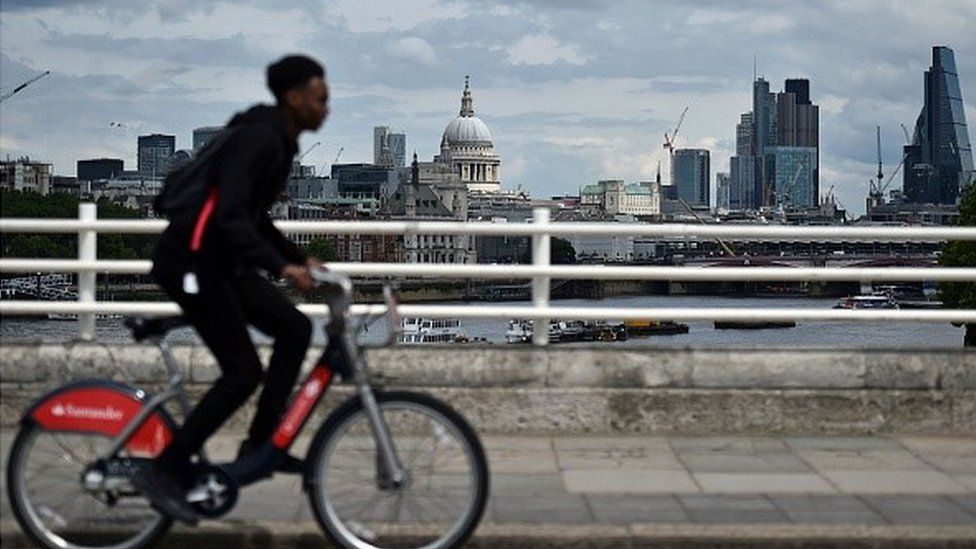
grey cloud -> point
(872, 53)
(23, 5)
(233, 51)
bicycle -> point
(385, 469)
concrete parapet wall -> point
(593, 389)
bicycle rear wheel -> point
(46, 476)
(439, 505)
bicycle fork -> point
(391, 472)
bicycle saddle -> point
(144, 327)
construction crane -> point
(336, 161)
(308, 150)
(11, 93)
(832, 198)
(669, 141)
(725, 247)
(876, 194)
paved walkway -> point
(644, 480)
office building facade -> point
(99, 168)
(722, 186)
(939, 161)
(790, 174)
(691, 174)
(154, 154)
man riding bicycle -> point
(209, 261)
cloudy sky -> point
(573, 90)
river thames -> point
(701, 334)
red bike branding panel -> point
(106, 411)
(313, 388)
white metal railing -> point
(540, 272)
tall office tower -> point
(763, 135)
(940, 159)
(742, 169)
(203, 135)
(722, 186)
(154, 153)
(797, 132)
(379, 143)
(690, 175)
(742, 183)
(397, 143)
(743, 135)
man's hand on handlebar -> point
(298, 275)
(314, 263)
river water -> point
(702, 334)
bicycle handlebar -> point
(323, 276)
(339, 307)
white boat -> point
(431, 330)
(520, 331)
(876, 301)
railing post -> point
(540, 284)
(87, 251)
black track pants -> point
(221, 312)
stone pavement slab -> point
(632, 509)
(565, 509)
(735, 462)
(969, 481)
(628, 481)
(712, 508)
(904, 509)
(768, 483)
(826, 509)
(894, 482)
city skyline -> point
(569, 90)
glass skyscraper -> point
(690, 174)
(940, 159)
(154, 153)
(790, 173)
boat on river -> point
(873, 301)
(647, 327)
(431, 330)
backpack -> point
(186, 184)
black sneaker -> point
(287, 463)
(165, 493)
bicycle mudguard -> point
(103, 407)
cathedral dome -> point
(466, 128)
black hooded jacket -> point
(248, 173)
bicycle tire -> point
(339, 423)
(27, 512)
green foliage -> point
(64, 206)
(561, 252)
(961, 295)
(322, 248)
(31, 204)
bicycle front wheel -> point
(46, 484)
(437, 507)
